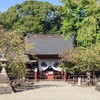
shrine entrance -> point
(49, 69)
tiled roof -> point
(48, 44)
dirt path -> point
(48, 90)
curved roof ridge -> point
(45, 35)
(49, 44)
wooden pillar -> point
(36, 75)
(64, 78)
(62, 73)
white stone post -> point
(79, 81)
(35, 74)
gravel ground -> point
(54, 90)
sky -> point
(5, 4)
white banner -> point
(49, 63)
(57, 68)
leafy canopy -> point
(82, 18)
(83, 59)
(33, 17)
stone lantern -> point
(88, 73)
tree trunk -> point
(93, 74)
(94, 78)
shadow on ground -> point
(35, 87)
(46, 85)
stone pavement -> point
(54, 90)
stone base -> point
(5, 88)
(98, 86)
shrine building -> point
(47, 50)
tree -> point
(12, 46)
(1, 23)
(52, 23)
(82, 18)
(71, 61)
(31, 17)
(83, 59)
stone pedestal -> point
(98, 86)
(5, 86)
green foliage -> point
(82, 18)
(32, 17)
(12, 46)
(83, 59)
(1, 22)
(18, 68)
